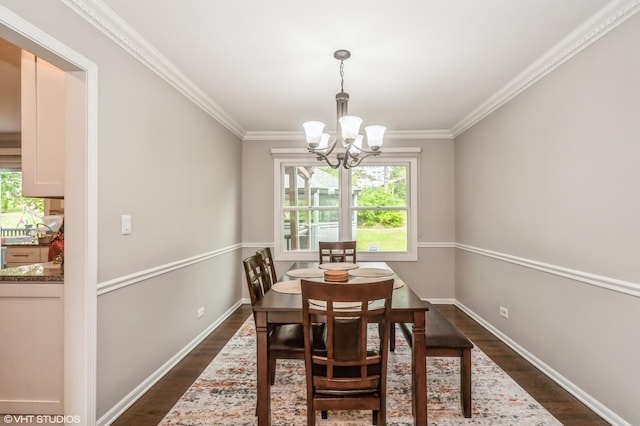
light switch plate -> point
(126, 224)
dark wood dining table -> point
(283, 308)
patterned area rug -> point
(225, 393)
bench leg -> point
(465, 382)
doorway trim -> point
(81, 185)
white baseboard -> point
(442, 301)
(566, 384)
(118, 409)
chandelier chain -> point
(347, 132)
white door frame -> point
(81, 178)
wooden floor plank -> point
(156, 403)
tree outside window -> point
(373, 204)
(17, 211)
(379, 204)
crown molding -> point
(108, 22)
(603, 21)
(273, 136)
(303, 151)
(390, 134)
(419, 134)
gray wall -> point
(552, 178)
(177, 172)
(432, 276)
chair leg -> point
(465, 382)
(392, 337)
(272, 370)
(311, 416)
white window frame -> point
(399, 156)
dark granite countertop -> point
(40, 272)
(24, 244)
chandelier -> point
(347, 131)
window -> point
(374, 204)
(17, 213)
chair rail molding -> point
(127, 280)
(626, 287)
(436, 244)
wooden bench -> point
(443, 339)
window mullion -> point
(345, 205)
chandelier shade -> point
(347, 131)
(350, 125)
(375, 134)
(313, 130)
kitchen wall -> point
(432, 276)
(177, 172)
(547, 218)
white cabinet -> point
(43, 124)
(25, 255)
(32, 335)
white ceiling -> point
(416, 65)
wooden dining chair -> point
(337, 251)
(285, 340)
(345, 251)
(267, 259)
(350, 373)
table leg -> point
(419, 370)
(262, 367)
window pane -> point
(379, 186)
(18, 213)
(304, 228)
(310, 186)
(388, 234)
(375, 208)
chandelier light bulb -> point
(375, 135)
(324, 141)
(350, 125)
(313, 131)
(356, 147)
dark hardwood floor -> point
(154, 404)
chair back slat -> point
(353, 365)
(257, 277)
(267, 259)
(337, 251)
